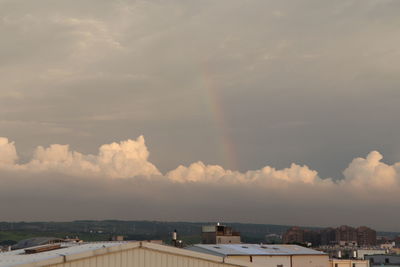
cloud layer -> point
(122, 175)
(290, 79)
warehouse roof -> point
(77, 251)
(18, 257)
(253, 249)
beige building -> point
(219, 234)
(114, 254)
(267, 255)
(348, 263)
(361, 253)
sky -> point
(264, 111)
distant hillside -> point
(133, 230)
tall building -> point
(366, 236)
(219, 234)
(346, 235)
(294, 235)
(328, 236)
(343, 235)
(311, 237)
(297, 235)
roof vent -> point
(44, 248)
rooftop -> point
(80, 251)
(18, 257)
(253, 249)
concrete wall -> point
(268, 261)
(286, 261)
(310, 261)
(272, 261)
(348, 263)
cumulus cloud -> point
(371, 172)
(126, 159)
(130, 158)
(199, 172)
(132, 187)
(116, 160)
(8, 153)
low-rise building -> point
(362, 253)
(219, 234)
(267, 255)
(351, 252)
(113, 254)
(383, 260)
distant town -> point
(230, 244)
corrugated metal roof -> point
(77, 251)
(253, 249)
(18, 257)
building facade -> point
(343, 236)
(219, 234)
(348, 263)
(366, 236)
(295, 235)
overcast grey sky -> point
(241, 84)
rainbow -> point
(227, 148)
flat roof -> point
(74, 251)
(18, 257)
(253, 249)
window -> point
(387, 260)
(279, 265)
(336, 265)
(354, 265)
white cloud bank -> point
(130, 158)
(120, 182)
(116, 160)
